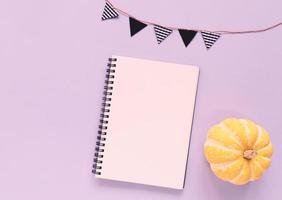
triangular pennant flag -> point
(161, 33)
(187, 35)
(135, 26)
(109, 12)
(210, 38)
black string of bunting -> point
(161, 32)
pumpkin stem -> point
(249, 154)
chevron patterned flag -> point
(109, 12)
(210, 38)
(161, 33)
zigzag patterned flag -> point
(161, 33)
(109, 12)
(210, 38)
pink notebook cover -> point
(146, 122)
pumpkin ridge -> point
(252, 171)
(238, 129)
(263, 141)
(224, 165)
(265, 147)
(259, 166)
(212, 142)
(240, 179)
(251, 132)
(263, 158)
(234, 136)
(229, 171)
(239, 175)
(259, 163)
(247, 129)
(259, 136)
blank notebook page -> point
(149, 124)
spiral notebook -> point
(145, 123)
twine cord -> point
(198, 30)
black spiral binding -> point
(103, 126)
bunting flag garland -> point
(109, 12)
(135, 26)
(161, 33)
(210, 38)
(187, 36)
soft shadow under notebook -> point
(146, 122)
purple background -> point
(52, 64)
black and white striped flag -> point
(161, 33)
(210, 38)
(109, 12)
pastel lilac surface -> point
(52, 66)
